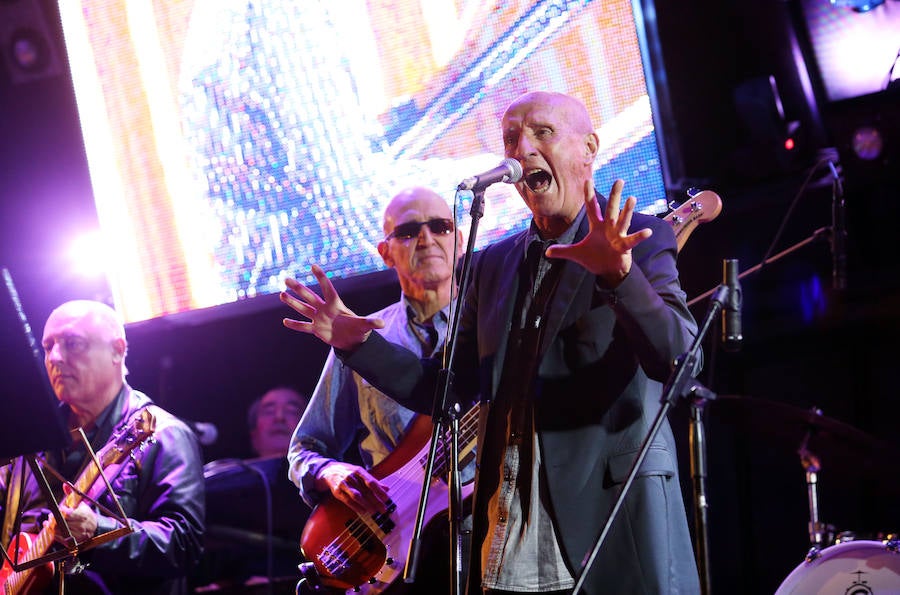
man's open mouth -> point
(538, 180)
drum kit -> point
(838, 563)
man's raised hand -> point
(329, 319)
(606, 250)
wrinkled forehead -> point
(547, 108)
(77, 321)
(415, 206)
(85, 318)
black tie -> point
(520, 364)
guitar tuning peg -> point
(692, 191)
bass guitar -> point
(368, 553)
(702, 207)
(26, 547)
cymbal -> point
(238, 535)
(246, 498)
(833, 444)
(237, 474)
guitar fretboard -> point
(468, 429)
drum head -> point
(850, 568)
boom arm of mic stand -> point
(443, 412)
(681, 383)
(822, 232)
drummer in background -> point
(271, 420)
(241, 495)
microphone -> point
(509, 171)
(731, 309)
(838, 232)
(207, 433)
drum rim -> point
(802, 570)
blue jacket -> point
(602, 363)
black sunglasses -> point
(410, 229)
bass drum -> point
(849, 568)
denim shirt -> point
(344, 407)
(522, 548)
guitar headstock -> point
(132, 435)
(702, 207)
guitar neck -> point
(45, 537)
(139, 428)
(468, 430)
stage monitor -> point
(32, 421)
(232, 144)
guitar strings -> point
(359, 526)
(348, 544)
(122, 442)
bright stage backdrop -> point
(232, 143)
(857, 51)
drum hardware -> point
(812, 466)
(860, 567)
(857, 567)
(892, 540)
(835, 562)
(840, 447)
(849, 565)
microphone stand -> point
(681, 383)
(838, 232)
(446, 412)
(821, 233)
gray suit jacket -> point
(603, 359)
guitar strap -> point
(13, 478)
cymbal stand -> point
(812, 467)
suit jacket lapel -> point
(571, 280)
(501, 312)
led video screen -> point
(232, 144)
(855, 43)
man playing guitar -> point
(159, 485)
(422, 245)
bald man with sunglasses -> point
(422, 245)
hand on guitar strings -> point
(355, 487)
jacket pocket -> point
(658, 461)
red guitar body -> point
(40, 575)
(366, 555)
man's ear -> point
(385, 253)
(591, 146)
(119, 348)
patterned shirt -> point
(522, 551)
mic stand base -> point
(697, 441)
